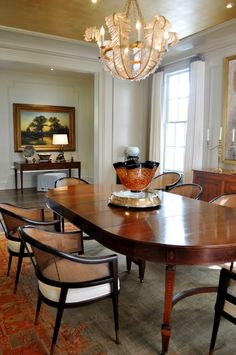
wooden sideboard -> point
(214, 183)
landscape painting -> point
(229, 123)
(36, 124)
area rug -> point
(89, 330)
(18, 334)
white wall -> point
(53, 89)
(214, 44)
(120, 108)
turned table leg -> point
(169, 292)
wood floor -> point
(30, 197)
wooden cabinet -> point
(214, 183)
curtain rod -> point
(191, 59)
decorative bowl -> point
(136, 176)
(44, 156)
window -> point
(176, 116)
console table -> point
(214, 183)
(22, 166)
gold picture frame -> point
(229, 111)
(36, 124)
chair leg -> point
(57, 327)
(116, 316)
(37, 310)
(231, 266)
(214, 331)
(128, 263)
(141, 266)
(9, 264)
(20, 258)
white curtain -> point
(194, 137)
(156, 136)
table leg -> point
(169, 292)
(15, 178)
(21, 181)
(69, 172)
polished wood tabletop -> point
(181, 231)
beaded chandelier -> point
(136, 48)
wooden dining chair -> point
(66, 280)
(69, 181)
(227, 200)
(225, 303)
(64, 182)
(165, 181)
(161, 182)
(187, 190)
(13, 217)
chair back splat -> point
(187, 190)
(14, 217)
(70, 181)
(66, 280)
(226, 200)
(161, 182)
(165, 181)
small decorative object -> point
(136, 48)
(72, 159)
(136, 177)
(132, 153)
(218, 147)
(44, 157)
(61, 140)
(28, 152)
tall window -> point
(176, 115)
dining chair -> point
(227, 200)
(64, 182)
(69, 181)
(66, 280)
(225, 303)
(160, 182)
(187, 190)
(13, 217)
(165, 181)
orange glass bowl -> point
(136, 176)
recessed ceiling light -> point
(51, 69)
(94, 1)
(229, 5)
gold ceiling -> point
(70, 18)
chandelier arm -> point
(126, 8)
(139, 12)
(150, 52)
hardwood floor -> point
(30, 198)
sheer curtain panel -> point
(195, 127)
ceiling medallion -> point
(136, 48)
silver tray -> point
(130, 199)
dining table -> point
(180, 231)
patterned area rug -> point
(18, 335)
(89, 330)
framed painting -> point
(36, 124)
(229, 110)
